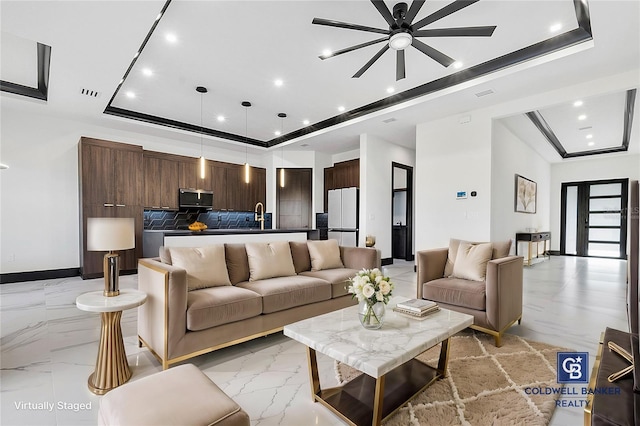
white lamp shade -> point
(110, 233)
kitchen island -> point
(153, 239)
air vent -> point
(89, 92)
(389, 120)
(484, 93)
(586, 128)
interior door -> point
(594, 221)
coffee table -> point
(386, 356)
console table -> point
(533, 237)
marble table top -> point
(95, 301)
(340, 336)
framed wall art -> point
(526, 192)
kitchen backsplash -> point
(171, 219)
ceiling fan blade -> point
(413, 10)
(330, 23)
(371, 61)
(445, 11)
(457, 32)
(352, 48)
(434, 54)
(400, 69)
(384, 11)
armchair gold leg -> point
(498, 339)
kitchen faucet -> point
(259, 217)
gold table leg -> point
(112, 368)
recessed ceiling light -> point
(277, 133)
(305, 122)
(555, 27)
(589, 136)
(341, 108)
(278, 82)
(582, 117)
(457, 65)
(171, 38)
(130, 95)
(591, 143)
(147, 72)
(221, 118)
(390, 89)
(326, 53)
(578, 103)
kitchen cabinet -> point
(161, 180)
(111, 185)
(188, 174)
(345, 174)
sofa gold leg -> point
(498, 339)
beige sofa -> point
(200, 300)
(487, 286)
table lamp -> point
(111, 234)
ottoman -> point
(182, 395)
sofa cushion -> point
(471, 261)
(324, 255)
(211, 307)
(300, 255)
(339, 279)
(500, 249)
(237, 263)
(457, 292)
(283, 293)
(205, 266)
(165, 255)
(269, 260)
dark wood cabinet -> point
(399, 242)
(161, 179)
(111, 185)
(188, 173)
(345, 174)
(294, 200)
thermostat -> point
(461, 195)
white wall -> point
(39, 192)
(613, 166)
(452, 157)
(376, 156)
(511, 156)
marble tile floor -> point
(48, 346)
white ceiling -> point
(237, 49)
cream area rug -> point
(485, 385)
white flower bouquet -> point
(370, 286)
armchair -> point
(495, 302)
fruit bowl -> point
(197, 226)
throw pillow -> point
(324, 255)
(451, 256)
(269, 260)
(300, 255)
(471, 261)
(205, 266)
(501, 249)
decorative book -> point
(415, 315)
(417, 305)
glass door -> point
(594, 222)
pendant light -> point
(282, 116)
(246, 105)
(202, 90)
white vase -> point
(371, 315)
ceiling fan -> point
(403, 33)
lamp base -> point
(111, 266)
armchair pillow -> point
(471, 261)
(324, 255)
(500, 249)
(205, 266)
(269, 260)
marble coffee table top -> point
(340, 336)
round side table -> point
(112, 368)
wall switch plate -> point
(460, 195)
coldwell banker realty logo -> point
(573, 367)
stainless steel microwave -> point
(195, 198)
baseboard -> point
(51, 274)
(554, 252)
(387, 261)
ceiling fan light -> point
(400, 41)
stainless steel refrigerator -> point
(343, 216)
